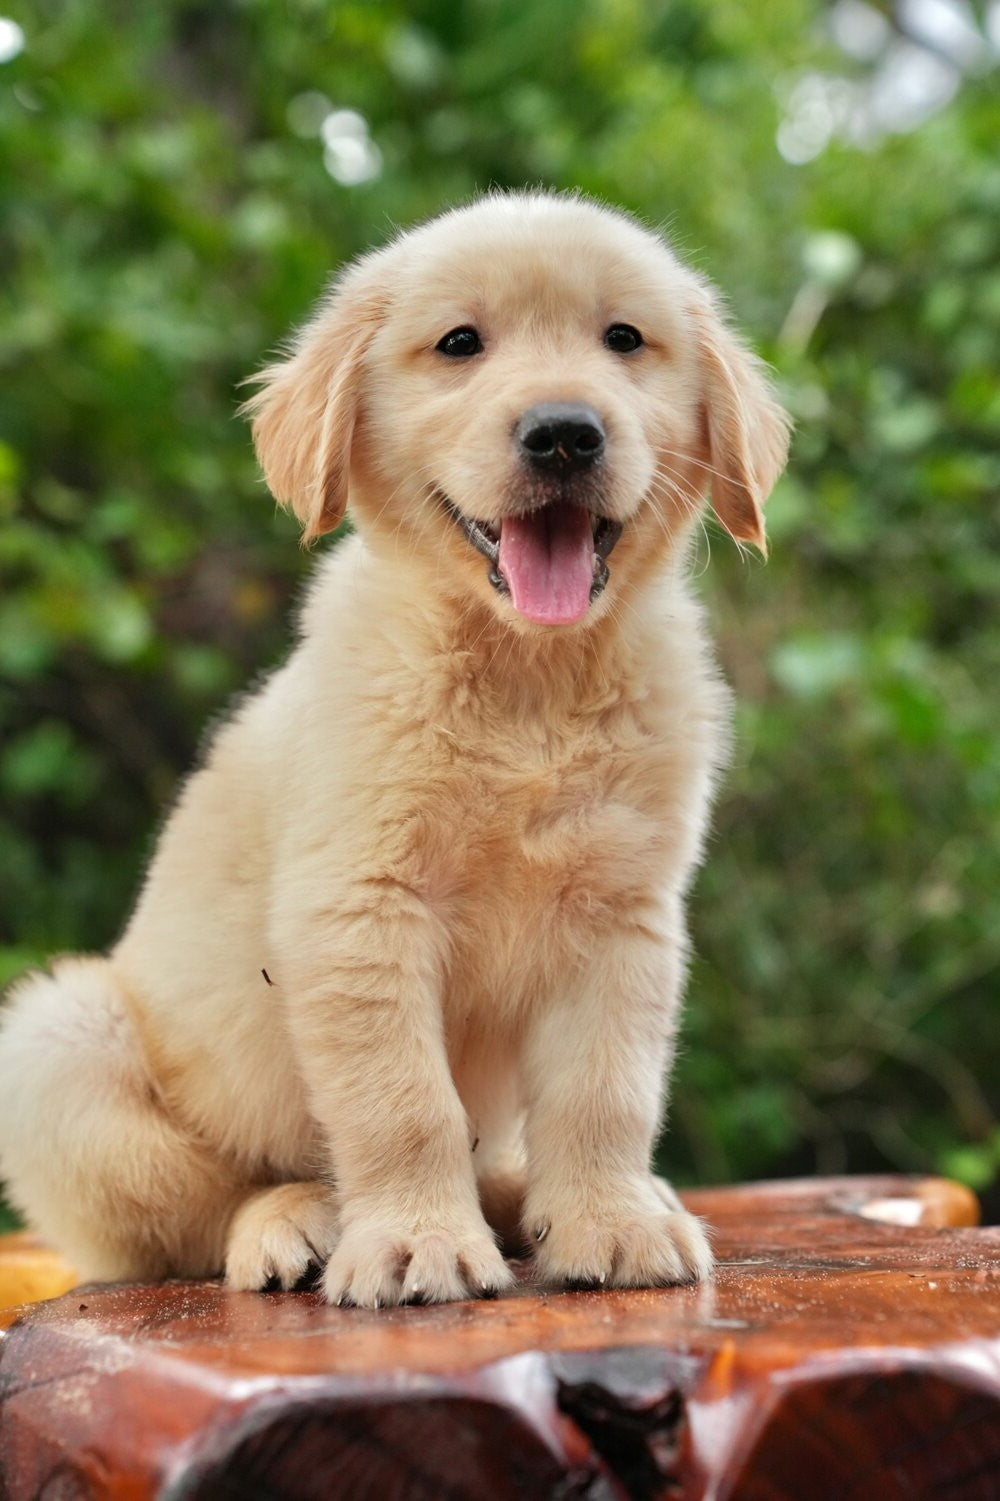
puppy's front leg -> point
(595, 1067)
(365, 1013)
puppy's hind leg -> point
(90, 1154)
(281, 1235)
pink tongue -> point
(547, 559)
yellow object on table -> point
(31, 1271)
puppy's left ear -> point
(304, 415)
(745, 431)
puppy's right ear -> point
(304, 414)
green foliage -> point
(166, 215)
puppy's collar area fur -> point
(485, 538)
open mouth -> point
(552, 561)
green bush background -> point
(166, 216)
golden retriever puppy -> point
(405, 969)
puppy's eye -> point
(460, 343)
(623, 338)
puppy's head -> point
(514, 392)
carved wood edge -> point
(893, 1199)
(837, 1349)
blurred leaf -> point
(811, 666)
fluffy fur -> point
(458, 843)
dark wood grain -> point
(836, 1354)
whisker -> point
(705, 467)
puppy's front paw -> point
(378, 1263)
(646, 1246)
(278, 1234)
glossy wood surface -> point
(848, 1347)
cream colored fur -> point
(457, 843)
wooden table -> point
(848, 1347)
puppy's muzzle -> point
(550, 554)
(560, 436)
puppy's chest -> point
(552, 830)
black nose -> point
(560, 435)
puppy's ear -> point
(745, 431)
(303, 417)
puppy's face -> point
(530, 397)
